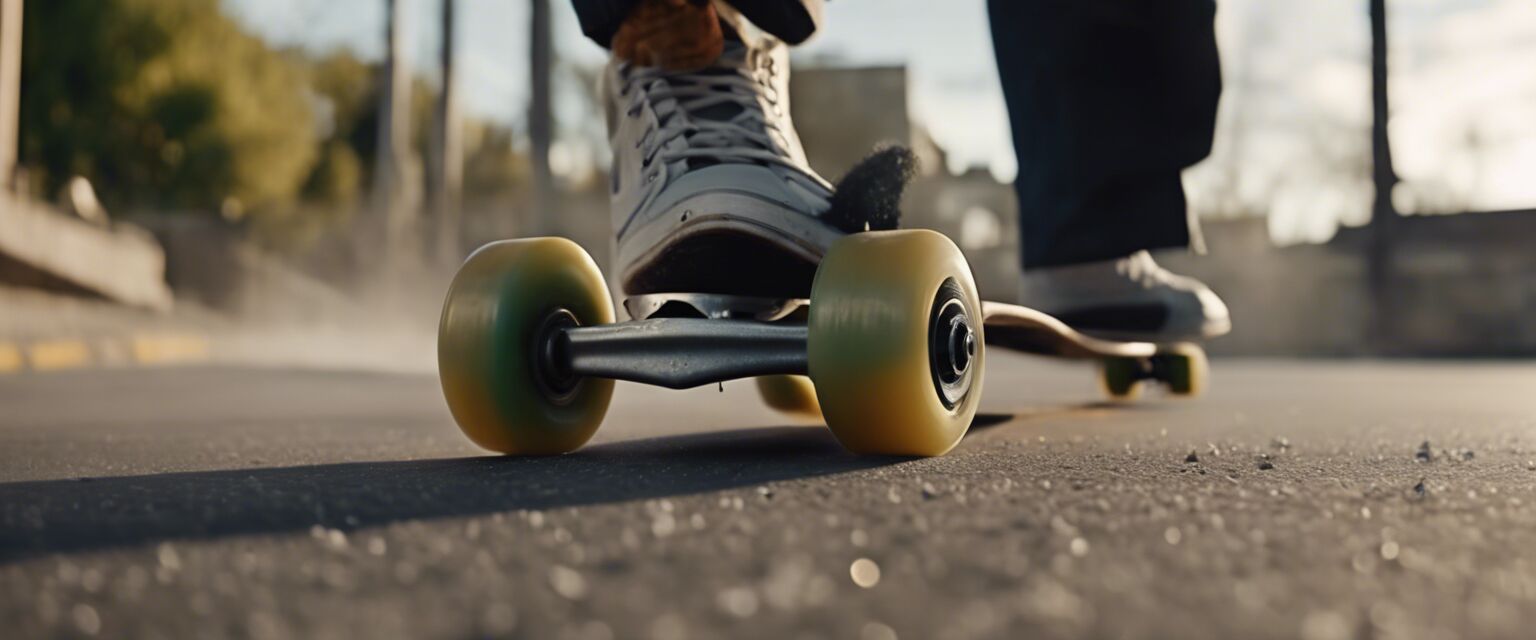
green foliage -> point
(167, 104)
(163, 103)
(492, 168)
(346, 95)
(338, 177)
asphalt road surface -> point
(1297, 499)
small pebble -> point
(1424, 454)
(858, 538)
(663, 525)
(567, 582)
(1192, 457)
(864, 572)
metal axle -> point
(673, 352)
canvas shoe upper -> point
(711, 191)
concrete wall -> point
(1459, 285)
(1465, 284)
(1301, 300)
(42, 247)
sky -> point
(1294, 118)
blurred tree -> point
(164, 103)
(346, 95)
(493, 170)
(168, 104)
(344, 87)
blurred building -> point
(1457, 285)
(843, 113)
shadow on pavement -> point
(989, 420)
(43, 517)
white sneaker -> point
(711, 191)
(1131, 298)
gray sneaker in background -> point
(1130, 298)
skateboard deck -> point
(1009, 326)
(1124, 365)
(1024, 329)
(1180, 366)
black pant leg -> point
(792, 21)
(1108, 101)
(600, 19)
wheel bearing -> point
(952, 344)
(555, 380)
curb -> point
(136, 350)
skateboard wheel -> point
(793, 395)
(895, 342)
(501, 300)
(1121, 377)
(1184, 369)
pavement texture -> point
(1316, 500)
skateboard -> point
(889, 350)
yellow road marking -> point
(10, 358)
(170, 349)
(53, 355)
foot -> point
(711, 192)
(1130, 298)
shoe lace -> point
(689, 104)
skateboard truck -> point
(679, 353)
(889, 350)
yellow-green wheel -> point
(1121, 377)
(504, 297)
(793, 395)
(895, 342)
(1184, 369)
